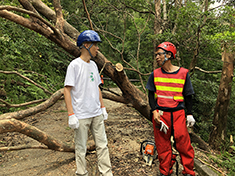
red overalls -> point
(169, 88)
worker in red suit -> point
(170, 92)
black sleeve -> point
(188, 104)
(188, 88)
(152, 100)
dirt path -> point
(125, 128)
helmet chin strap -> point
(88, 49)
(165, 59)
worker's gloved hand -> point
(190, 121)
(73, 122)
(164, 127)
(104, 112)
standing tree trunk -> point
(218, 132)
(157, 28)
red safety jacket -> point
(169, 87)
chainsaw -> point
(148, 150)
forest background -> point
(130, 30)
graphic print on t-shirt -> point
(92, 76)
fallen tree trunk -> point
(198, 141)
(13, 125)
(90, 147)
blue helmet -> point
(88, 36)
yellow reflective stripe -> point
(169, 80)
(178, 97)
(172, 89)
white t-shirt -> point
(84, 79)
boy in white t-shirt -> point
(85, 105)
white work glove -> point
(164, 127)
(190, 121)
(104, 112)
(73, 122)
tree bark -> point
(13, 125)
(157, 28)
(217, 135)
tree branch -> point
(115, 98)
(11, 8)
(209, 72)
(34, 110)
(59, 15)
(8, 105)
(31, 81)
(51, 15)
(45, 77)
(212, 167)
(88, 15)
(23, 147)
(146, 12)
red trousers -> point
(176, 122)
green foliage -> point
(204, 102)
(226, 160)
(34, 57)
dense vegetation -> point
(129, 34)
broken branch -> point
(8, 105)
(31, 81)
(34, 110)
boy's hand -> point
(105, 114)
(73, 122)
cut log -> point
(13, 125)
(119, 67)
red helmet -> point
(168, 46)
